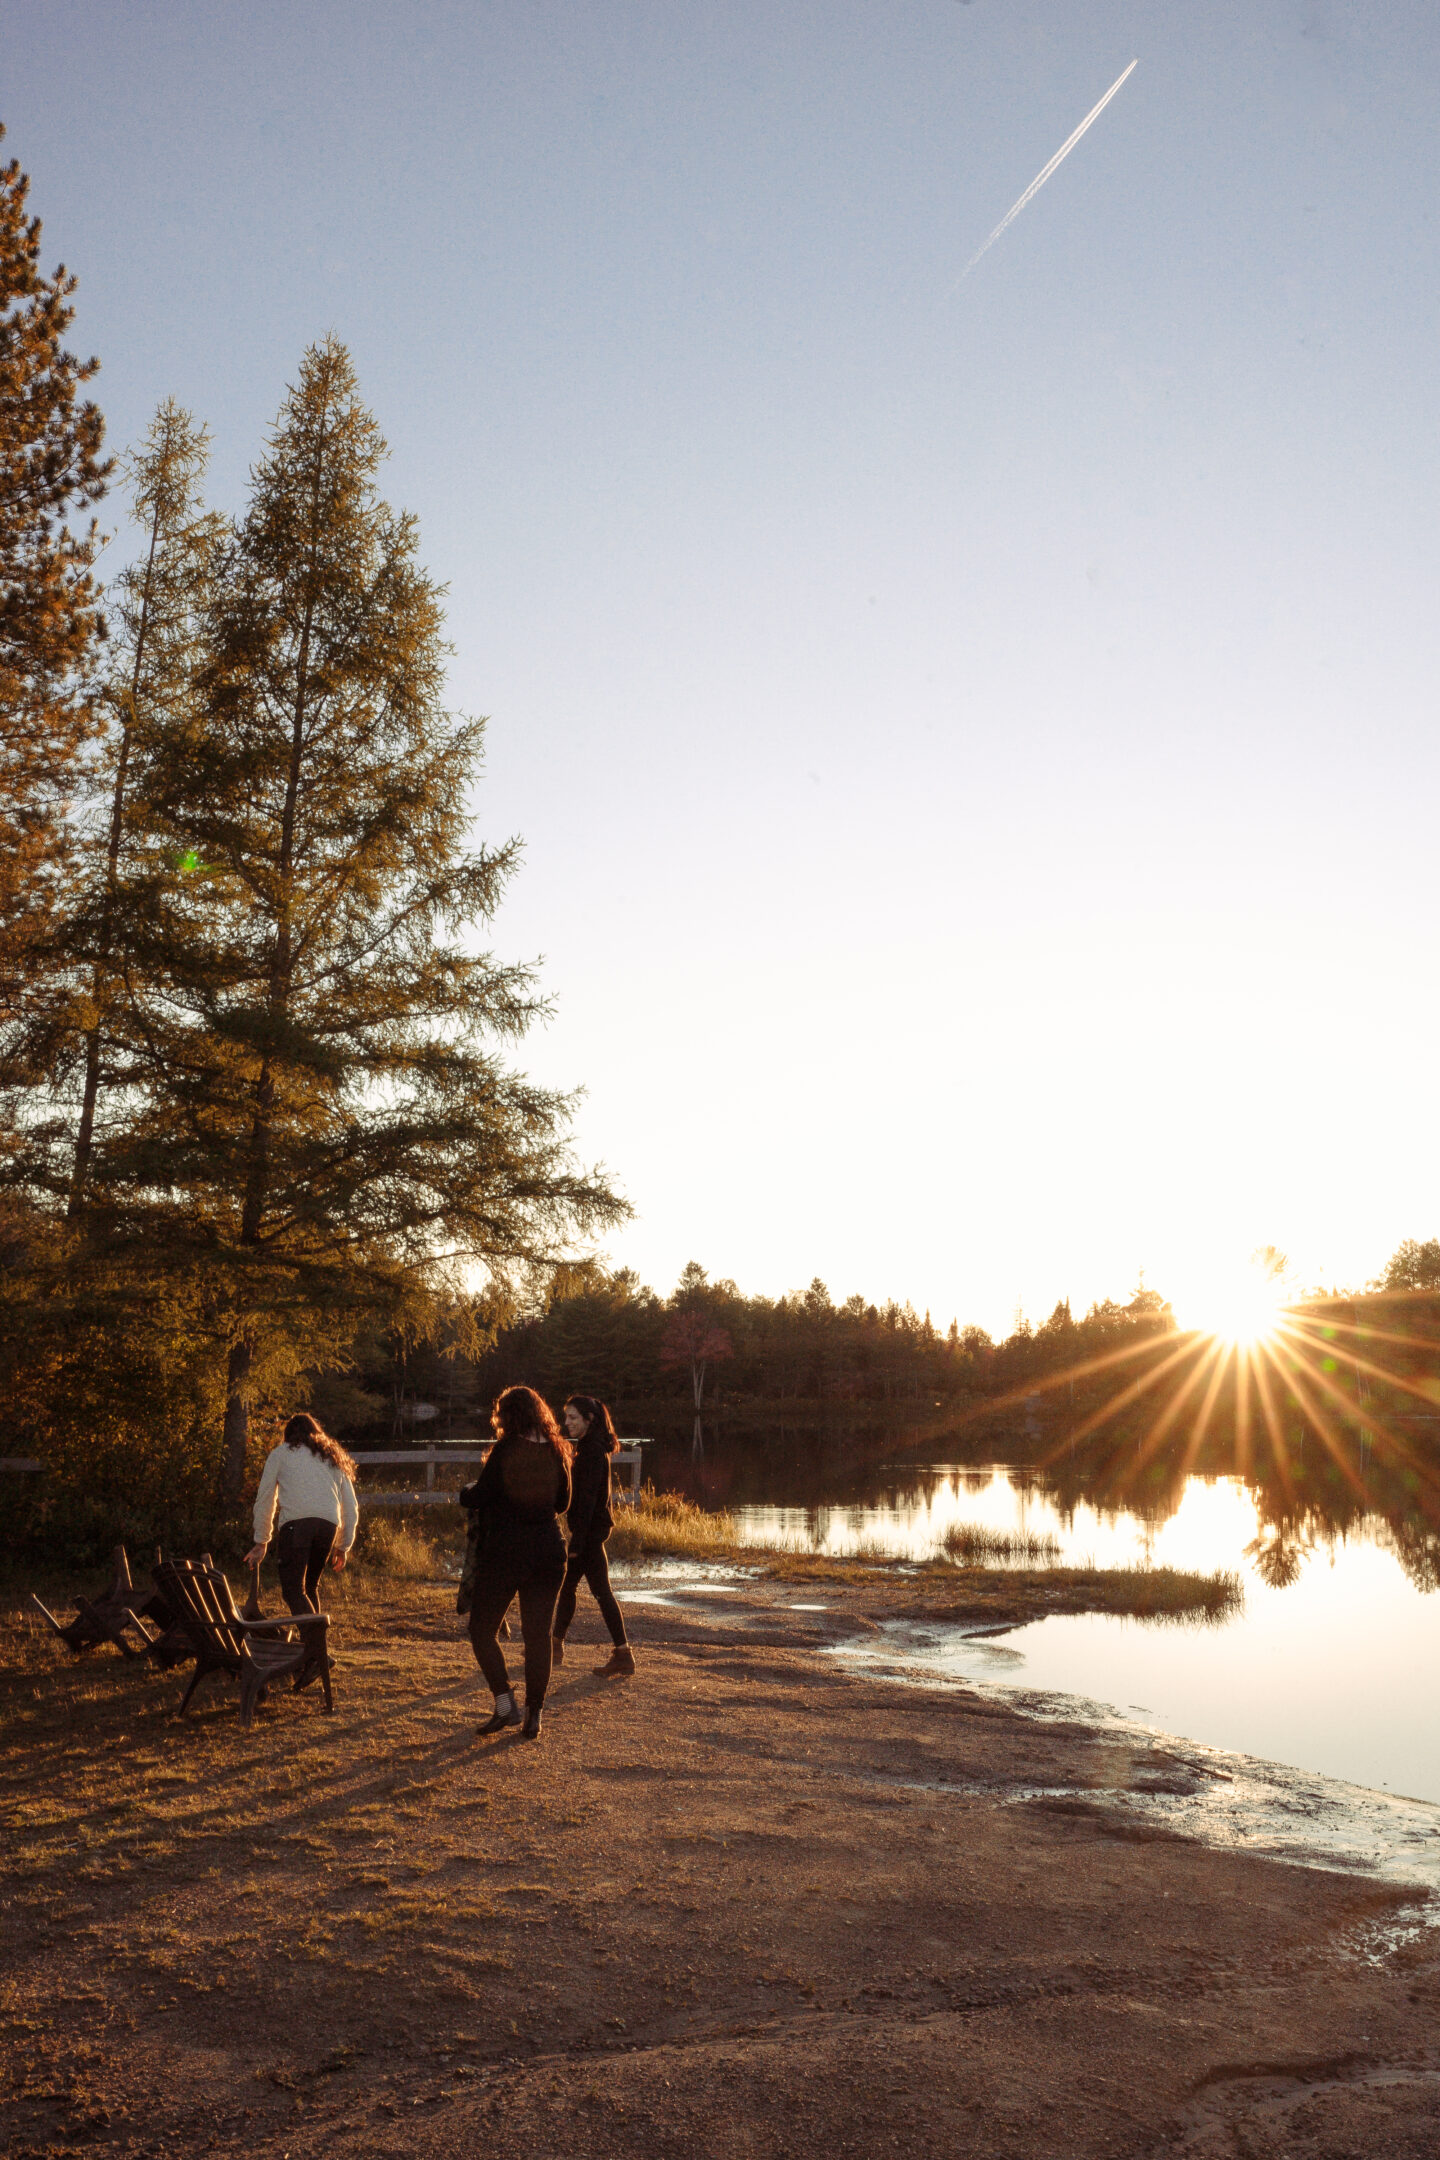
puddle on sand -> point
(685, 1574)
(665, 1582)
(672, 1594)
(1235, 1802)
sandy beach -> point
(753, 1902)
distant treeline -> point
(1353, 1380)
(710, 1347)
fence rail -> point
(628, 1456)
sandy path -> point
(725, 1908)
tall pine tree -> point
(158, 604)
(50, 468)
(326, 1113)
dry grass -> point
(191, 1866)
(974, 1545)
(394, 1547)
(1136, 1593)
(940, 1591)
(666, 1525)
(1163, 1593)
(1023, 1580)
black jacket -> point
(519, 1493)
(590, 1518)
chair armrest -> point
(298, 1619)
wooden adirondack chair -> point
(116, 1611)
(254, 1652)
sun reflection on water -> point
(1215, 1520)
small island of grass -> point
(954, 1585)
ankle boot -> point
(621, 1663)
(531, 1728)
(502, 1720)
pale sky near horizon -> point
(975, 743)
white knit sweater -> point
(299, 1482)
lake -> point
(1330, 1667)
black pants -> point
(592, 1564)
(534, 1578)
(301, 1551)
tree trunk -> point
(237, 1419)
(85, 1134)
(86, 1128)
(237, 1416)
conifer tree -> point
(325, 1107)
(158, 603)
(50, 468)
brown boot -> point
(557, 1649)
(621, 1662)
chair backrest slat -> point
(200, 1606)
(205, 1589)
(221, 1586)
(222, 1599)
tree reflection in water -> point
(1322, 1417)
(1278, 1556)
(1332, 1421)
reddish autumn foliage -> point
(692, 1338)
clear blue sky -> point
(976, 747)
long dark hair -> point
(599, 1427)
(302, 1430)
(521, 1414)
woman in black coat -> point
(587, 1421)
(517, 1502)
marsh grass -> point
(995, 1573)
(1134, 1593)
(1162, 1593)
(943, 1591)
(666, 1525)
(975, 1545)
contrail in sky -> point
(1040, 178)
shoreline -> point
(750, 1903)
(1343, 1825)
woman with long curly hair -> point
(589, 1425)
(518, 1500)
(310, 1481)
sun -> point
(1240, 1306)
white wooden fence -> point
(628, 1457)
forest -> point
(708, 1347)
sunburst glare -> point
(1235, 1301)
(1240, 1307)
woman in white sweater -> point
(309, 1480)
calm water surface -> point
(1336, 1672)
